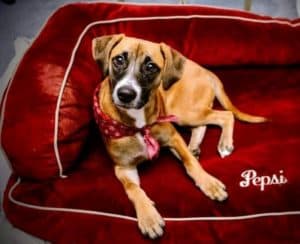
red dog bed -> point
(63, 188)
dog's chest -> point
(142, 145)
(140, 150)
(128, 150)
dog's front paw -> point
(150, 222)
(212, 187)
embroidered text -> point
(250, 177)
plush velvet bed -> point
(63, 188)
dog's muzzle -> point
(126, 94)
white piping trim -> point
(55, 144)
(169, 4)
(6, 90)
(126, 217)
(241, 10)
(71, 210)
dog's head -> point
(136, 67)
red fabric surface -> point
(214, 40)
(258, 63)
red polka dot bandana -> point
(113, 129)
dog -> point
(149, 86)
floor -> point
(18, 20)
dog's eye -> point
(151, 67)
(119, 60)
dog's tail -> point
(227, 104)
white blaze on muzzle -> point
(128, 80)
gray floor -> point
(26, 17)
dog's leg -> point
(211, 186)
(224, 119)
(196, 140)
(149, 220)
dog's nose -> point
(126, 94)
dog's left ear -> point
(173, 67)
(101, 49)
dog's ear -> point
(102, 47)
(173, 67)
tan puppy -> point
(148, 85)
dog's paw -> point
(212, 187)
(150, 222)
(225, 149)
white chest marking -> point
(139, 116)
